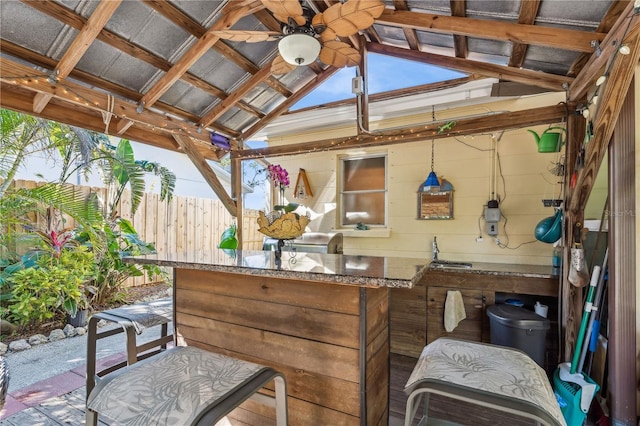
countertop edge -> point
(288, 274)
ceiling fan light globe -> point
(299, 49)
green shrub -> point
(54, 284)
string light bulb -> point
(53, 77)
(624, 49)
(601, 79)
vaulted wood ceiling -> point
(155, 71)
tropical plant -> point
(120, 170)
(55, 283)
(121, 240)
(100, 226)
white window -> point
(363, 190)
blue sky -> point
(384, 73)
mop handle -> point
(594, 310)
(585, 318)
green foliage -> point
(288, 208)
(53, 284)
(121, 239)
(100, 227)
(121, 170)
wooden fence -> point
(182, 225)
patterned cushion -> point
(492, 372)
(172, 388)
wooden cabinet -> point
(475, 327)
(407, 320)
(417, 314)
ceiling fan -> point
(306, 35)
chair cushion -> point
(172, 388)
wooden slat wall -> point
(184, 224)
(289, 325)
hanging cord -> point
(433, 141)
(106, 115)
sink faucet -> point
(435, 248)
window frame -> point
(341, 192)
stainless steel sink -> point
(449, 264)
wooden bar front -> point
(330, 341)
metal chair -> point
(183, 386)
(490, 376)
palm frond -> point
(69, 199)
(167, 178)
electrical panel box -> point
(492, 216)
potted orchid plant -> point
(280, 178)
(282, 223)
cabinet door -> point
(470, 328)
(408, 320)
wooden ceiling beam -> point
(184, 21)
(13, 73)
(284, 106)
(78, 47)
(39, 60)
(18, 98)
(463, 126)
(496, 30)
(409, 33)
(70, 18)
(609, 20)
(528, 13)
(232, 13)
(207, 173)
(611, 99)
(535, 78)
(626, 26)
(460, 47)
(394, 94)
(234, 97)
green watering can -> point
(549, 141)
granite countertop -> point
(363, 271)
(504, 269)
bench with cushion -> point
(133, 320)
(183, 386)
(491, 376)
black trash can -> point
(519, 328)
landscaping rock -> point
(69, 330)
(19, 345)
(3, 348)
(81, 331)
(57, 334)
(7, 328)
(37, 339)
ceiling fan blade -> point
(339, 54)
(247, 36)
(327, 33)
(285, 9)
(280, 66)
(348, 18)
